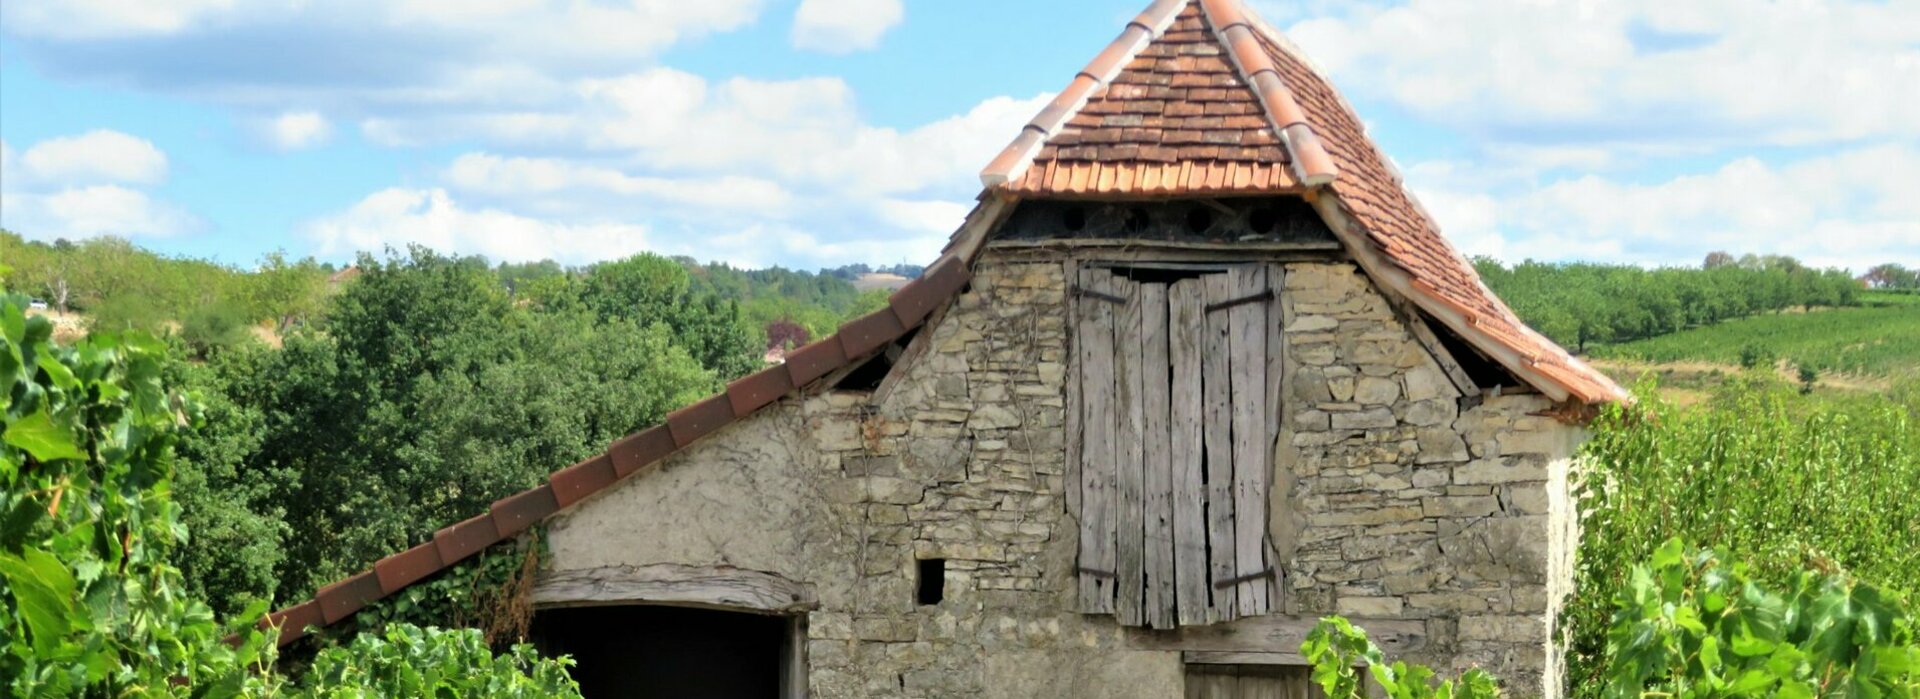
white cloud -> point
(93, 19)
(86, 212)
(357, 59)
(1851, 209)
(298, 130)
(844, 26)
(752, 172)
(75, 187)
(1650, 71)
(498, 176)
(99, 155)
(398, 217)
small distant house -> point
(1196, 371)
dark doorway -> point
(668, 652)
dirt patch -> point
(67, 327)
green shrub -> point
(89, 605)
(1336, 647)
(215, 328)
(1755, 356)
(1695, 623)
(408, 661)
(1790, 481)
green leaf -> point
(39, 436)
(61, 376)
(44, 590)
(1752, 681)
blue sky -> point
(820, 132)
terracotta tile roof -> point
(906, 309)
(1188, 101)
(1162, 111)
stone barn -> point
(1196, 371)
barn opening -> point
(656, 651)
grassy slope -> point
(1881, 338)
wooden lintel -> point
(1228, 657)
(1274, 633)
(670, 584)
(1066, 244)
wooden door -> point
(1251, 682)
(1177, 377)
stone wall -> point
(1390, 502)
(1396, 503)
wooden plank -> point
(1186, 327)
(670, 584)
(1130, 530)
(1212, 685)
(1438, 351)
(1233, 657)
(1097, 478)
(1279, 316)
(1276, 633)
(1157, 451)
(1252, 457)
(1268, 685)
(1217, 432)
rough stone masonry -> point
(1389, 502)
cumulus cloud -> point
(357, 59)
(844, 26)
(298, 130)
(748, 171)
(94, 19)
(1649, 71)
(99, 155)
(87, 185)
(89, 211)
(440, 219)
(1850, 209)
(398, 217)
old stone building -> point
(1195, 372)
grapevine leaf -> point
(44, 590)
(39, 436)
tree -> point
(1892, 276)
(287, 292)
(423, 395)
(785, 334)
(648, 289)
(1717, 259)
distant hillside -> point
(1880, 338)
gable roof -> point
(1348, 173)
(1162, 112)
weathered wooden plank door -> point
(1251, 682)
(1176, 428)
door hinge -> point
(1244, 300)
